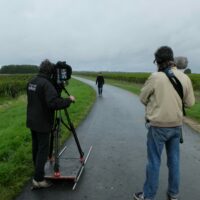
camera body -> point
(61, 74)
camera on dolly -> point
(61, 74)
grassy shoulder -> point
(16, 166)
(193, 113)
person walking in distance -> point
(100, 83)
(43, 99)
(164, 113)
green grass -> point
(194, 112)
(16, 166)
(4, 100)
(131, 87)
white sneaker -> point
(138, 196)
(171, 198)
(41, 184)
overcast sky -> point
(114, 35)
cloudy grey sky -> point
(114, 35)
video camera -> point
(61, 74)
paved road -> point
(116, 166)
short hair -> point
(46, 67)
(163, 54)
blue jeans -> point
(156, 139)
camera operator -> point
(164, 113)
(43, 99)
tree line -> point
(19, 69)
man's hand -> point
(72, 98)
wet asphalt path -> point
(116, 166)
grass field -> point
(16, 166)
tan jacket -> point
(163, 104)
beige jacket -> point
(163, 104)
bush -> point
(13, 85)
(188, 71)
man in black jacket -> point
(100, 83)
(43, 99)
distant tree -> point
(187, 71)
(19, 69)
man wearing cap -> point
(43, 99)
(164, 113)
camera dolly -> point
(60, 165)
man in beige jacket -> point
(164, 114)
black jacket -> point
(100, 80)
(43, 100)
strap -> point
(177, 86)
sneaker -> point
(41, 184)
(171, 198)
(138, 196)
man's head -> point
(181, 62)
(163, 56)
(46, 67)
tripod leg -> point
(77, 141)
(72, 129)
(56, 145)
(51, 146)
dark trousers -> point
(100, 89)
(40, 150)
